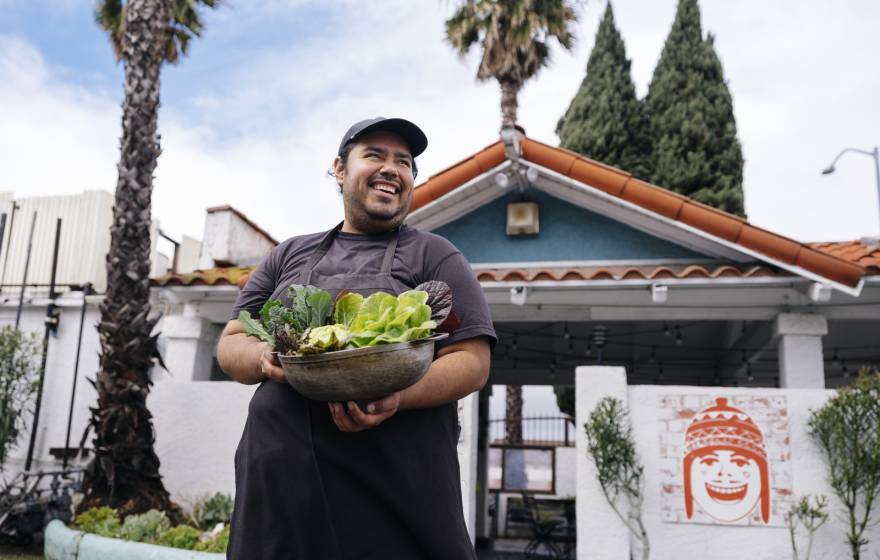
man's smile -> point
(384, 186)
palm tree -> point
(124, 472)
(514, 36)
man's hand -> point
(270, 366)
(350, 418)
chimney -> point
(232, 239)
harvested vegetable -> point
(305, 326)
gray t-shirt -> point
(420, 256)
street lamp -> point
(875, 153)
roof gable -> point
(614, 193)
(567, 233)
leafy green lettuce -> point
(385, 319)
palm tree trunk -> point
(509, 104)
(513, 414)
(124, 472)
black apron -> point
(307, 491)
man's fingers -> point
(385, 404)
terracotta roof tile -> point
(857, 252)
(830, 265)
(626, 273)
(231, 276)
(457, 174)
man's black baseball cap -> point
(412, 134)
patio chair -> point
(541, 530)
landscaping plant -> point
(847, 430)
(610, 444)
(103, 521)
(809, 515)
(144, 527)
(18, 384)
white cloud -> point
(800, 73)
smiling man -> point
(332, 480)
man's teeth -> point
(385, 188)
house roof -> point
(853, 251)
(830, 265)
(842, 262)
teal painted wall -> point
(567, 233)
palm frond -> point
(110, 15)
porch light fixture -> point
(659, 293)
(518, 295)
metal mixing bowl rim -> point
(354, 352)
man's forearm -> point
(451, 377)
(239, 356)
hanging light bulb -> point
(835, 359)
(565, 334)
(515, 364)
(666, 330)
(570, 345)
(514, 346)
(845, 369)
(749, 375)
(589, 350)
(653, 357)
(678, 340)
(660, 372)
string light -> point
(845, 369)
(666, 330)
(653, 357)
(514, 346)
(678, 340)
(566, 335)
(589, 350)
(749, 375)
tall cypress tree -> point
(696, 150)
(605, 121)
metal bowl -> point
(360, 373)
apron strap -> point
(389, 252)
(319, 253)
(327, 240)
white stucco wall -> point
(674, 540)
(198, 426)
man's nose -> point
(388, 169)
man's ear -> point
(338, 170)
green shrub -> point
(217, 509)
(182, 536)
(103, 521)
(847, 431)
(218, 544)
(146, 527)
(19, 374)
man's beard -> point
(376, 221)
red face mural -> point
(725, 464)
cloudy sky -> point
(253, 116)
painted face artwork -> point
(725, 465)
